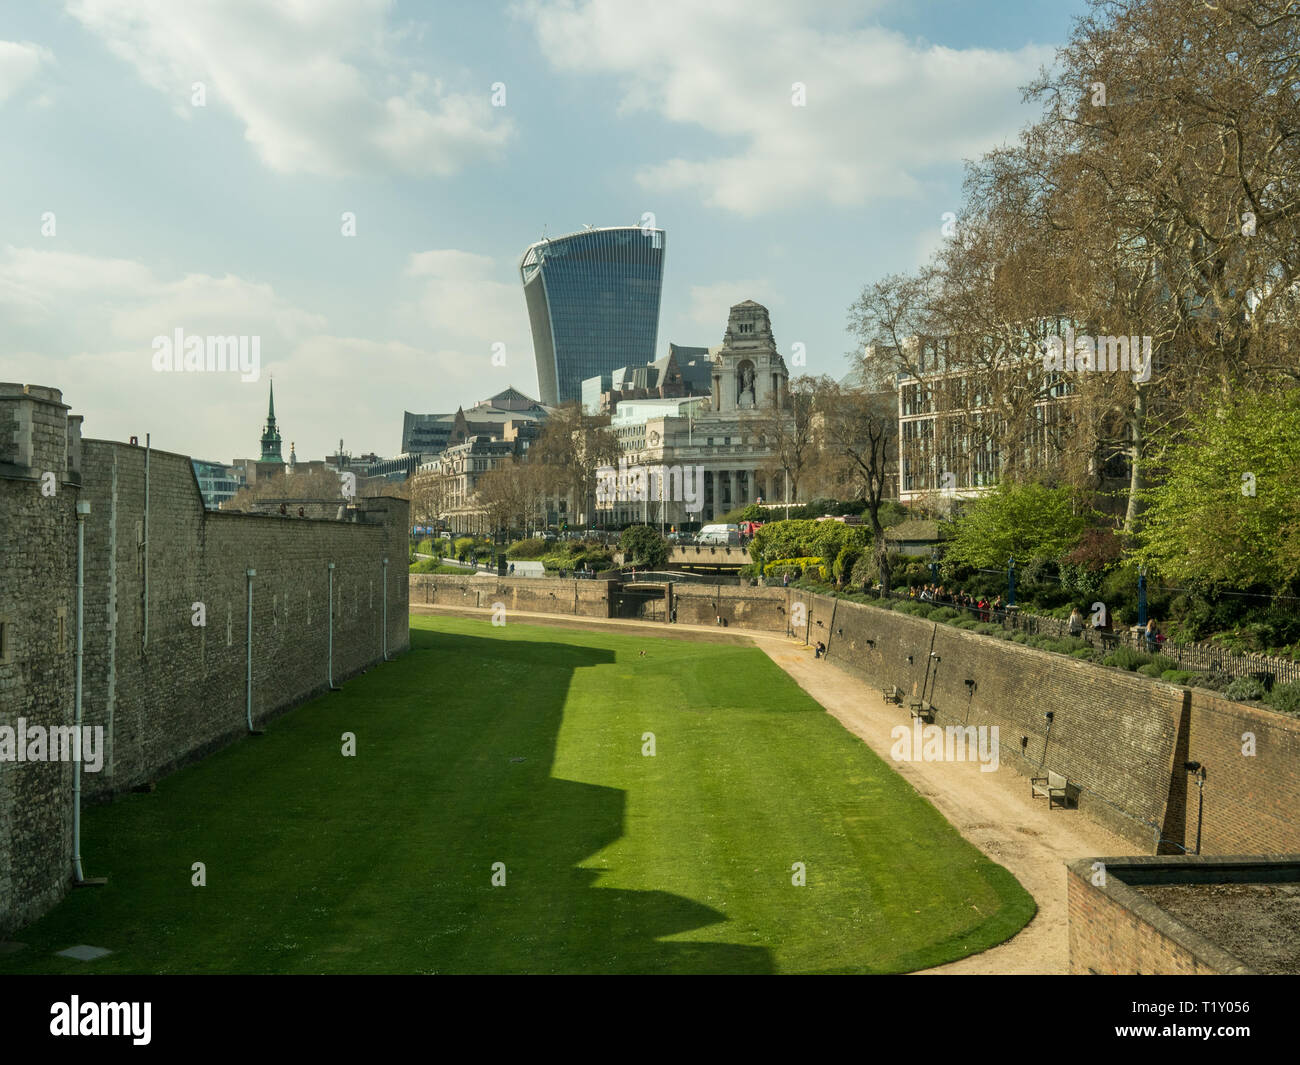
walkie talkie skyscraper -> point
(593, 304)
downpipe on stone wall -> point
(78, 875)
(144, 635)
(329, 661)
(250, 573)
(83, 509)
(385, 610)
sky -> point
(353, 182)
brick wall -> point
(1115, 932)
(1112, 733)
(177, 692)
(1250, 800)
(1117, 929)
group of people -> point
(986, 609)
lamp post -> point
(1142, 597)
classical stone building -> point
(727, 447)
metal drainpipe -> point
(144, 638)
(385, 610)
(248, 681)
(83, 509)
(329, 667)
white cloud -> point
(86, 325)
(461, 297)
(19, 63)
(880, 108)
(313, 81)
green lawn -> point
(615, 862)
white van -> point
(719, 534)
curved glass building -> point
(593, 304)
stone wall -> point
(38, 541)
(164, 689)
(539, 595)
(177, 690)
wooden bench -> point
(1053, 787)
(892, 694)
(921, 710)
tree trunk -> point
(1137, 461)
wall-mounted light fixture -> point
(1024, 741)
(1049, 715)
(909, 660)
(871, 643)
(934, 656)
(969, 683)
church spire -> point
(271, 435)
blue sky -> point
(225, 219)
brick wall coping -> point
(1122, 873)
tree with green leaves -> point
(1227, 514)
(643, 546)
(1021, 521)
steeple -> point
(271, 435)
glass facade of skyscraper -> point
(593, 304)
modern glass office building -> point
(593, 304)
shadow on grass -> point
(383, 862)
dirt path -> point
(992, 810)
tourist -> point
(1153, 636)
(983, 606)
(1076, 623)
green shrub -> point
(1150, 670)
(987, 628)
(1164, 662)
(1082, 653)
(969, 623)
(1285, 697)
(533, 547)
(433, 565)
(1179, 676)
(945, 613)
(1245, 689)
(796, 567)
(1126, 658)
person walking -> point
(1076, 623)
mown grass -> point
(523, 745)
